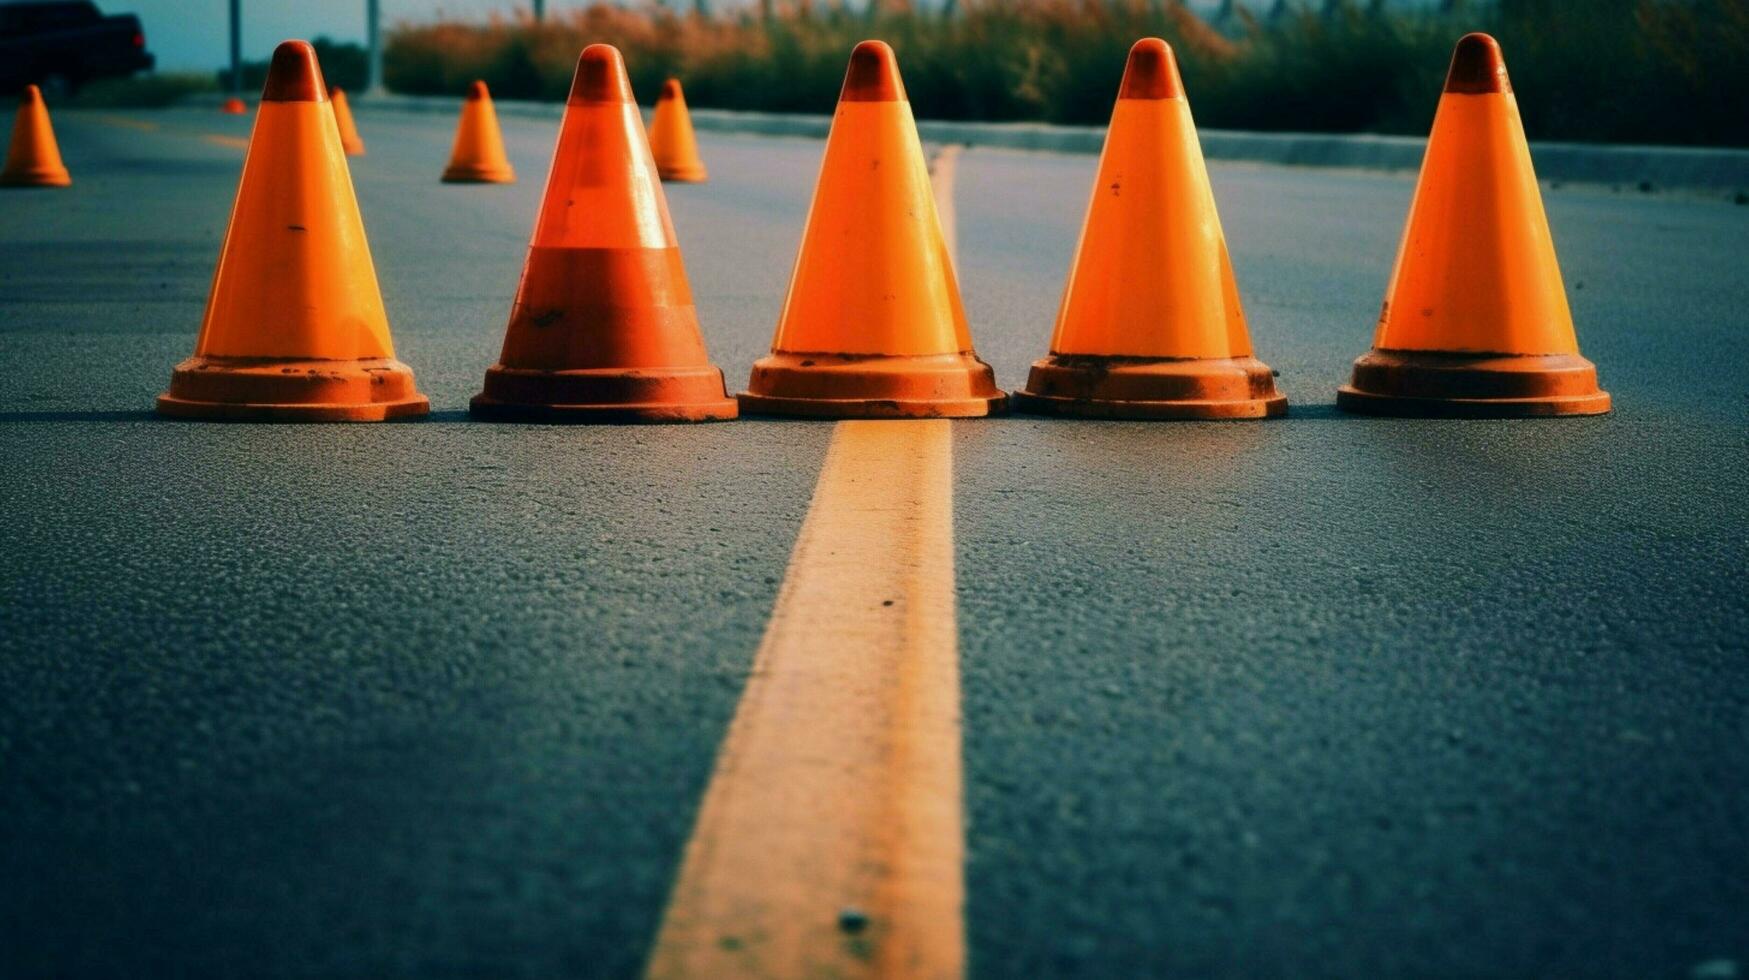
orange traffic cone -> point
(672, 142)
(349, 138)
(1475, 322)
(294, 328)
(873, 326)
(1150, 326)
(478, 156)
(233, 106)
(33, 159)
(603, 328)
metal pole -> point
(236, 47)
(373, 32)
(540, 9)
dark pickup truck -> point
(62, 45)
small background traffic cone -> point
(294, 329)
(233, 106)
(33, 159)
(873, 326)
(349, 138)
(603, 328)
(1150, 325)
(672, 142)
(478, 155)
(1475, 322)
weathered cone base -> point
(1110, 387)
(478, 175)
(683, 175)
(1455, 385)
(37, 177)
(873, 386)
(287, 390)
(604, 395)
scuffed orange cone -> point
(1151, 326)
(33, 159)
(672, 142)
(1475, 322)
(233, 106)
(349, 138)
(603, 328)
(478, 156)
(873, 326)
(294, 328)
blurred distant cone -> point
(478, 156)
(33, 159)
(603, 328)
(1475, 322)
(1150, 326)
(672, 142)
(873, 326)
(294, 329)
(233, 106)
(349, 139)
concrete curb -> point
(1653, 167)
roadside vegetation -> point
(1653, 71)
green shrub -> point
(143, 91)
(1673, 71)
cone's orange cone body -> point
(349, 139)
(603, 328)
(33, 159)
(1150, 325)
(478, 156)
(294, 328)
(1475, 322)
(872, 326)
(672, 142)
(233, 106)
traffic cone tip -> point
(670, 89)
(1152, 72)
(294, 75)
(1477, 67)
(477, 91)
(601, 76)
(32, 95)
(873, 75)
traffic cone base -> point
(604, 395)
(295, 329)
(1475, 322)
(873, 386)
(603, 328)
(283, 390)
(478, 155)
(1465, 385)
(1107, 387)
(1151, 326)
(33, 159)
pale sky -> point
(193, 34)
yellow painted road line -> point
(143, 125)
(234, 142)
(831, 840)
(942, 167)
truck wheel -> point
(57, 86)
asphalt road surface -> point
(1327, 696)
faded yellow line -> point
(234, 142)
(831, 840)
(143, 125)
(942, 167)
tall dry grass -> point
(1667, 71)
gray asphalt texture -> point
(1323, 697)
